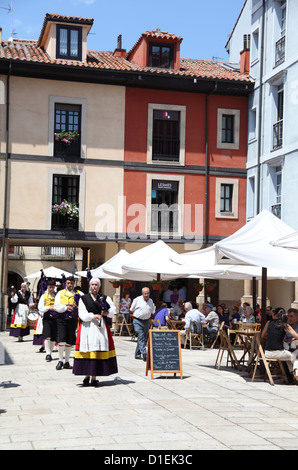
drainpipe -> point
(260, 109)
(4, 229)
(205, 240)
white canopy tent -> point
(203, 264)
(251, 245)
(151, 262)
(52, 272)
(289, 241)
(117, 259)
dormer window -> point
(69, 42)
(161, 55)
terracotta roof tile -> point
(30, 51)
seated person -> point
(223, 317)
(248, 316)
(161, 314)
(193, 315)
(235, 316)
(212, 321)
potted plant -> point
(115, 284)
(66, 208)
(210, 286)
(156, 285)
(164, 285)
(67, 137)
(199, 286)
(126, 284)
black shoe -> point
(59, 366)
(48, 357)
(145, 357)
(138, 357)
(95, 383)
(86, 381)
(67, 366)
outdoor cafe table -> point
(246, 338)
(178, 324)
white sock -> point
(61, 352)
(67, 353)
(47, 345)
(52, 344)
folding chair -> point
(267, 363)
(225, 346)
(152, 326)
(190, 336)
(218, 333)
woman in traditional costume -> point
(19, 324)
(95, 353)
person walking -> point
(142, 308)
(95, 351)
(66, 307)
(48, 315)
(22, 300)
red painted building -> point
(185, 143)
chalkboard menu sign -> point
(164, 352)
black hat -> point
(50, 282)
(70, 278)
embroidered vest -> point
(67, 298)
(48, 300)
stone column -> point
(247, 295)
(294, 304)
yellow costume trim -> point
(96, 355)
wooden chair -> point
(120, 325)
(267, 363)
(218, 334)
(152, 326)
(191, 337)
(226, 346)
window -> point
(278, 125)
(69, 42)
(65, 188)
(161, 55)
(226, 198)
(228, 128)
(280, 45)
(164, 206)
(276, 176)
(250, 204)
(67, 118)
(166, 134)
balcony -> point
(277, 134)
(69, 152)
(15, 252)
(280, 51)
(276, 210)
(58, 252)
(64, 223)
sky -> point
(205, 26)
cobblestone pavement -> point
(42, 408)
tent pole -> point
(264, 297)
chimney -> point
(245, 54)
(119, 52)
